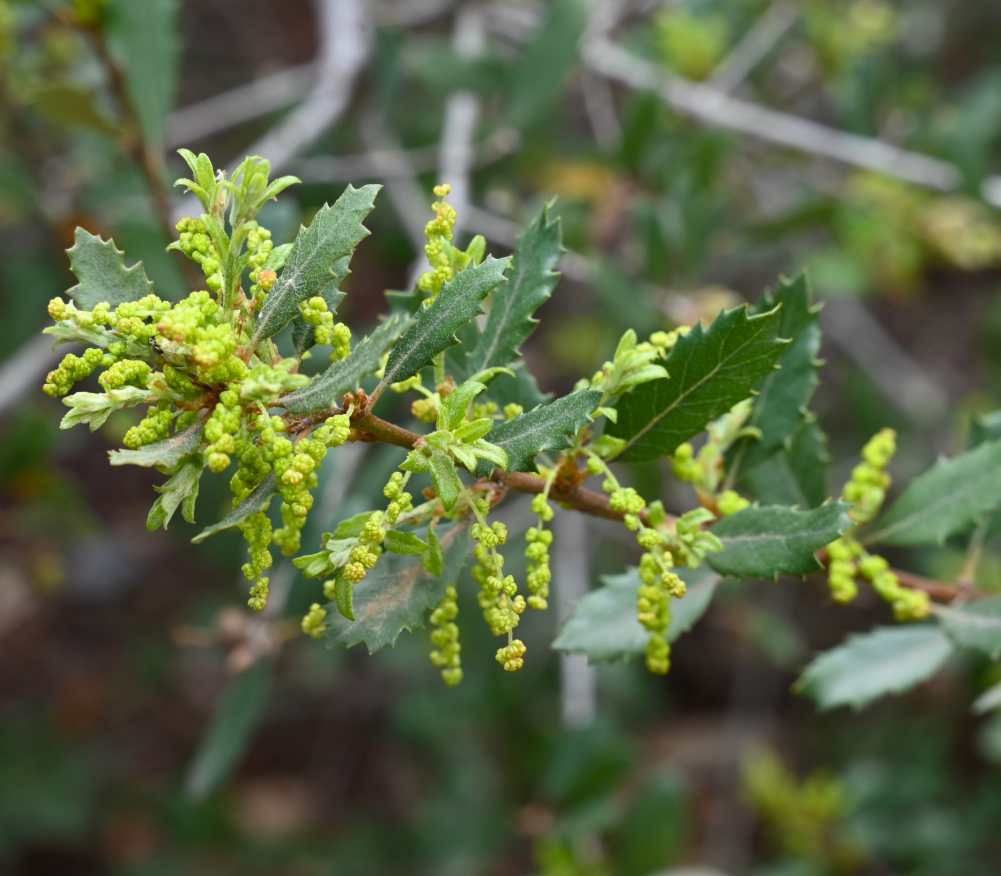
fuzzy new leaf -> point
(180, 491)
(95, 407)
(100, 267)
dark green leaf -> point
(396, 594)
(404, 543)
(986, 427)
(259, 500)
(435, 326)
(547, 428)
(947, 499)
(100, 267)
(333, 234)
(537, 251)
(167, 453)
(180, 491)
(522, 389)
(344, 597)
(710, 371)
(327, 388)
(867, 667)
(764, 542)
(74, 107)
(231, 730)
(975, 625)
(796, 476)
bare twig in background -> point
(767, 31)
(24, 371)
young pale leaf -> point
(259, 500)
(604, 626)
(396, 594)
(975, 625)
(96, 407)
(784, 394)
(304, 334)
(537, 251)
(180, 491)
(167, 453)
(945, 500)
(327, 388)
(446, 481)
(545, 428)
(231, 729)
(710, 371)
(100, 267)
(764, 542)
(796, 475)
(435, 326)
(333, 234)
(404, 543)
(889, 660)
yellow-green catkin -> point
(447, 654)
(439, 233)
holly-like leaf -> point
(784, 394)
(304, 334)
(396, 595)
(435, 326)
(259, 500)
(521, 389)
(764, 542)
(947, 499)
(181, 491)
(796, 475)
(975, 625)
(710, 370)
(604, 626)
(326, 389)
(404, 543)
(100, 267)
(95, 407)
(333, 234)
(537, 251)
(546, 428)
(167, 453)
(889, 660)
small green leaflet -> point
(947, 499)
(180, 491)
(404, 543)
(537, 251)
(327, 388)
(435, 326)
(546, 428)
(396, 595)
(333, 234)
(433, 559)
(784, 394)
(604, 626)
(889, 660)
(259, 500)
(167, 453)
(796, 475)
(764, 542)
(100, 267)
(95, 407)
(975, 625)
(710, 371)
(304, 334)
(231, 729)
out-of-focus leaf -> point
(74, 108)
(604, 626)
(233, 724)
(167, 453)
(889, 660)
(259, 500)
(547, 428)
(100, 267)
(396, 595)
(333, 234)
(797, 475)
(655, 828)
(975, 625)
(710, 370)
(988, 701)
(143, 36)
(945, 500)
(537, 251)
(766, 541)
(180, 491)
(326, 389)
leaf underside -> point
(100, 267)
(168, 452)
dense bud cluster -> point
(316, 313)
(313, 623)
(869, 482)
(498, 597)
(447, 653)
(438, 249)
(512, 656)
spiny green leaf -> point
(710, 371)
(167, 453)
(975, 625)
(784, 394)
(333, 234)
(404, 543)
(180, 491)
(764, 542)
(396, 594)
(537, 251)
(796, 475)
(259, 500)
(100, 267)
(604, 626)
(327, 388)
(435, 326)
(867, 667)
(304, 334)
(546, 428)
(945, 500)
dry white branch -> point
(754, 46)
(25, 370)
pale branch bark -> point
(754, 46)
(24, 371)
